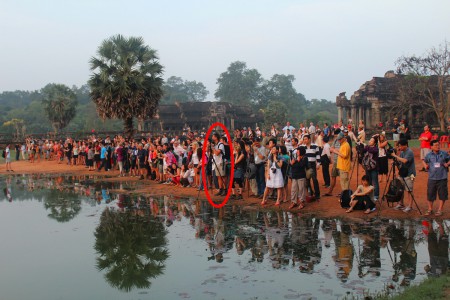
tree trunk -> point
(128, 126)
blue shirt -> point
(103, 153)
(436, 161)
(409, 155)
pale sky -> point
(329, 46)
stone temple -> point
(198, 116)
(376, 103)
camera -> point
(274, 170)
(389, 151)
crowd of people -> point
(280, 164)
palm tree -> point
(127, 81)
(60, 104)
(132, 248)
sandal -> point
(292, 205)
(263, 203)
(428, 212)
(327, 195)
(301, 206)
(438, 213)
(349, 210)
(277, 203)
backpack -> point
(395, 191)
(345, 198)
(226, 155)
(4, 154)
(368, 162)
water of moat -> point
(69, 237)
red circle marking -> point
(204, 148)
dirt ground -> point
(327, 207)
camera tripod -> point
(395, 164)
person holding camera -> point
(274, 176)
(370, 164)
(425, 143)
(383, 165)
(218, 166)
(298, 183)
(407, 172)
(436, 163)
(287, 138)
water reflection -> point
(131, 247)
(312, 256)
(63, 206)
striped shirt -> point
(312, 153)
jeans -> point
(373, 179)
(260, 178)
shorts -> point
(409, 183)
(437, 187)
(396, 137)
(219, 170)
(334, 171)
(424, 152)
(8, 160)
(90, 163)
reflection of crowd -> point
(283, 239)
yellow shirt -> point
(344, 163)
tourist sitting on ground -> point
(362, 198)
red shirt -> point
(428, 136)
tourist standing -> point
(298, 183)
(395, 129)
(425, 146)
(313, 155)
(334, 170)
(325, 160)
(8, 158)
(343, 160)
(260, 155)
(407, 172)
(437, 163)
(372, 169)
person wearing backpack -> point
(370, 164)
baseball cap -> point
(340, 136)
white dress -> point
(275, 180)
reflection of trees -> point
(63, 206)
(131, 248)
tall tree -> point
(127, 81)
(239, 85)
(433, 79)
(280, 89)
(177, 90)
(60, 104)
(276, 112)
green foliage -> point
(276, 112)
(126, 82)
(177, 90)
(60, 104)
(279, 88)
(131, 248)
(239, 85)
(320, 111)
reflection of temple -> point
(373, 100)
(199, 115)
